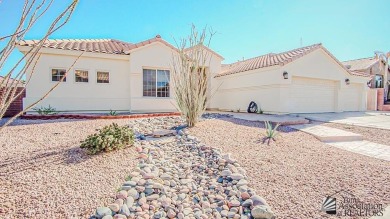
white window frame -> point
(58, 68)
(103, 71)
(80, 69)
(156, 69)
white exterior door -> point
(309, 95)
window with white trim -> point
(81, 76)
(103, 77)
(58, 74)
(155, 83)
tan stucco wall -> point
(269, 90)
(154, 56)
(123, 93)
(265, 86)
(320, 65)
(235, 91)
(74, 96)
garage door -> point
(351, 97)
(312, 95)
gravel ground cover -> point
(44, 173)
(295, 173)
(380, 136)
(31, 122)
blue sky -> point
(350, 29)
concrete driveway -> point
(374, 119)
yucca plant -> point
(270, 132)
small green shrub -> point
(109, 138)
(45, 110)
(270, 132)
(112, 113)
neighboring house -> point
(374, 68)
(17, 105)
(369, 66)
(303, 80)
(121, 76)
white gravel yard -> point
(295, 173)
(44, 173)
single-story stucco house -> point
(121, 76)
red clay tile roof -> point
(147, 42)
(208, 49)
(267, 60)
(273, 59)
(108, 46)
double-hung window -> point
(57, 74)
(155, 83)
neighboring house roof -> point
(108, 46)
(12, 82)
(360, 64)
(272, 59)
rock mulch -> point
(295, 173)
(45, 174)
(179, 177)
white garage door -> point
(351, 97)
(312, 95)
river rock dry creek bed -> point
(179, 177)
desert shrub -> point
(109, 138)
(112, 113)
(270, 132)
(45, 110)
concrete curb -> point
(85, 116)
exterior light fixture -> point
(368, 83)
(285, 75)
(347, 82)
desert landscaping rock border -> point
(84, 116)
(179, 177)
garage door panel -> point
(312, 95)
(351, 97)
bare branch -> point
(32, 11)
